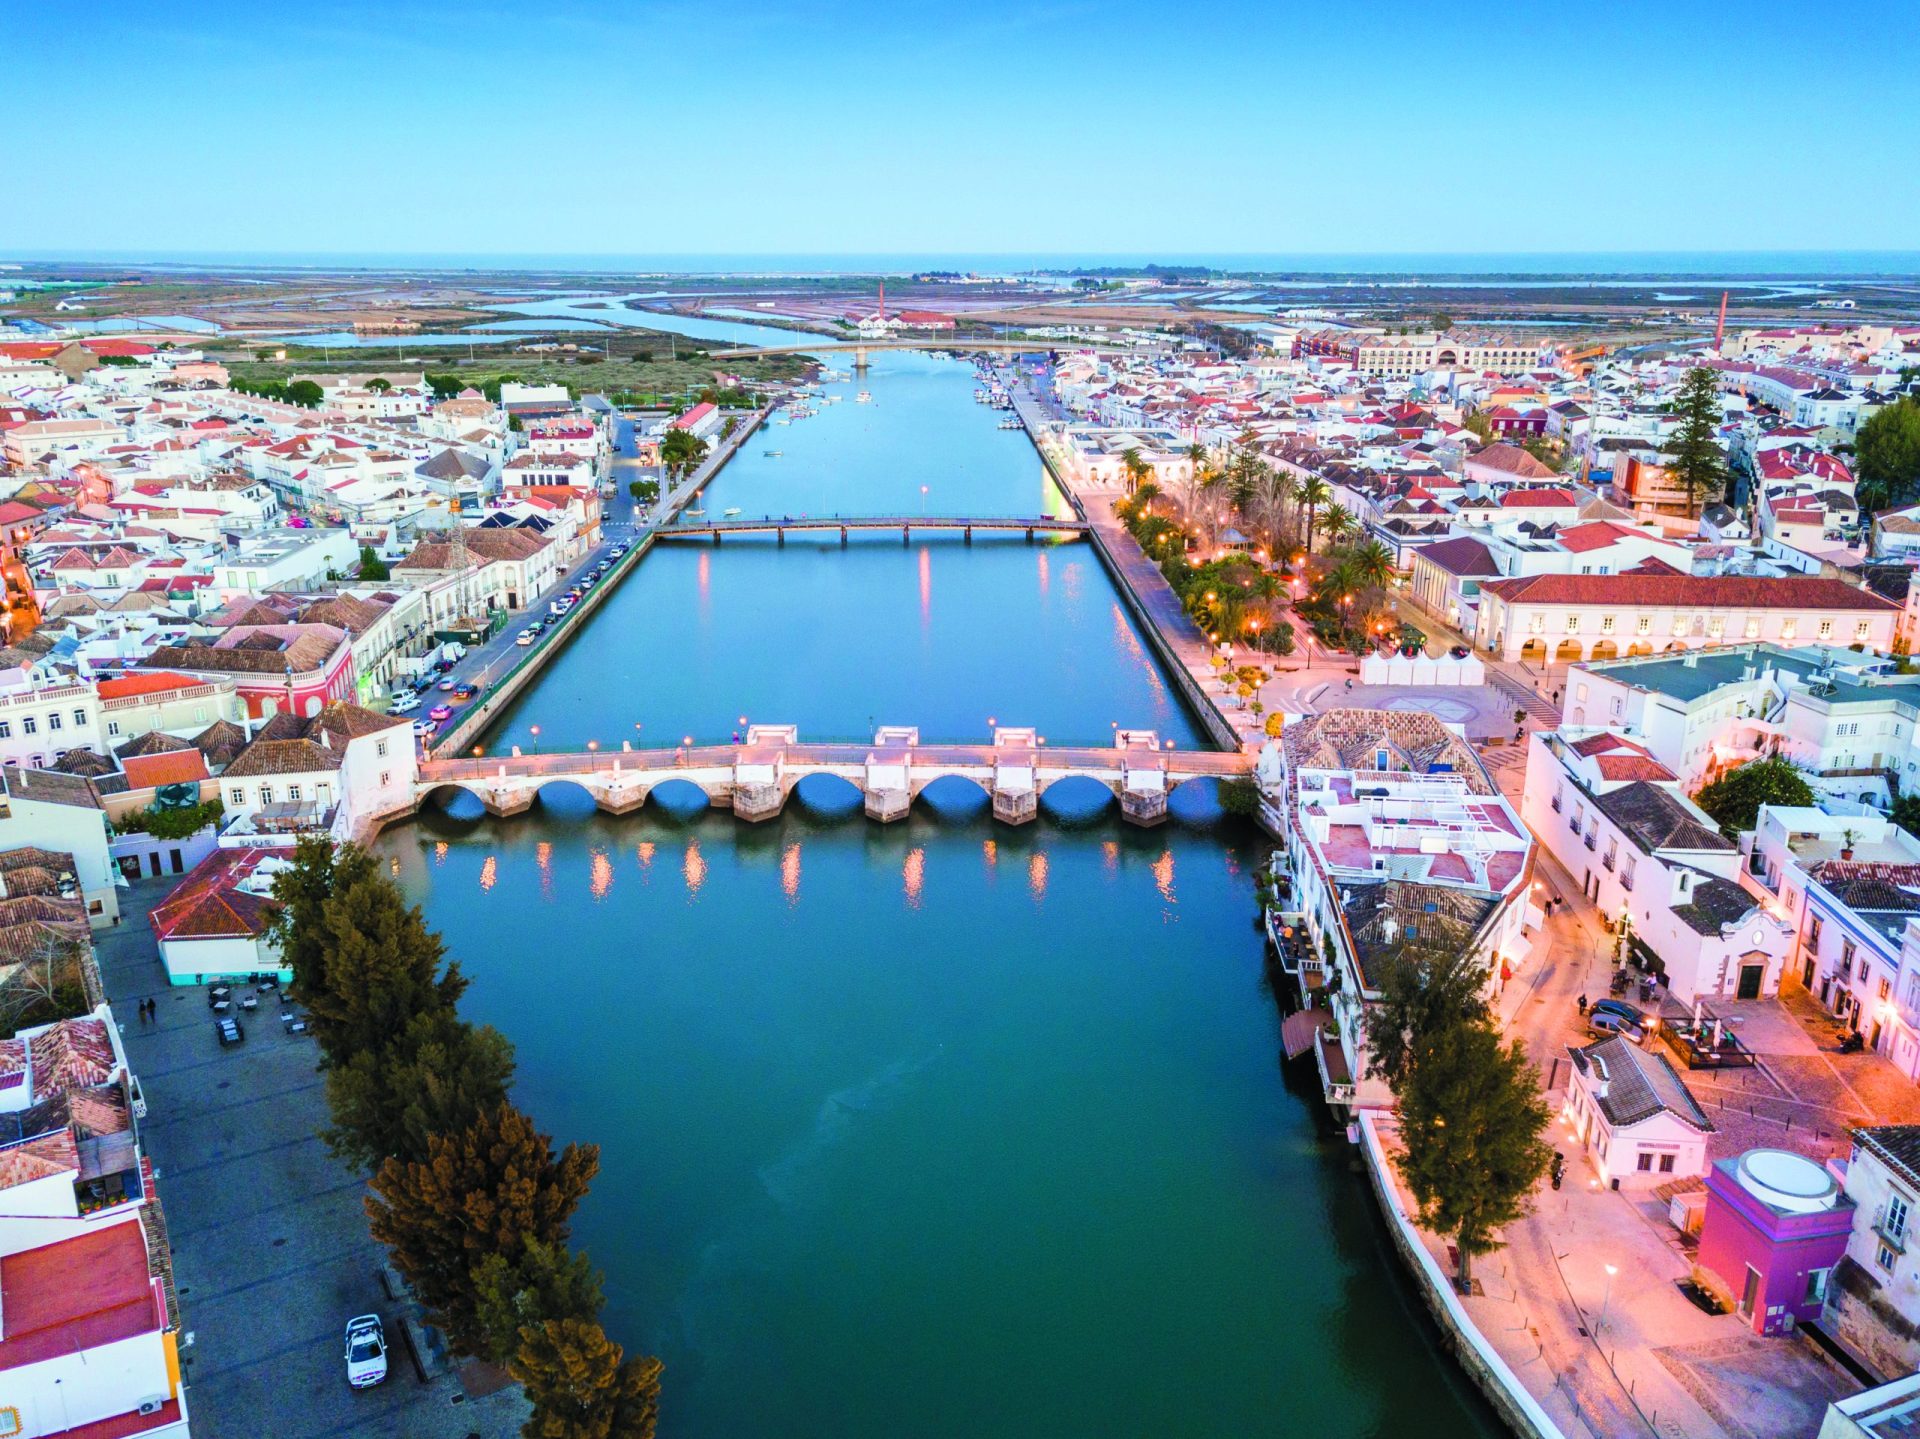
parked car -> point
(525, 637)
(403, 701)
(1620, 1007)
(1604, 1022)
(1459, 652)
(366, 1351)
(229, 1030)
(440, 714)
(424, 727)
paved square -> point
(271, 1253)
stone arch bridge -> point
(754, 779)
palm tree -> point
(1138, 470)
(1145, 493)
(1314, 493)
(1337, 523)
(1372, 564)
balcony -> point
(1592, 841)
(1607, 862)
(1556, 804)
(1336, 1076)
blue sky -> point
(960, 128)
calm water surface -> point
(937, 1128)
(937, 634)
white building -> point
(1642, 852)
(1873, 1306)
(62, 812)
(44, 713)
(1635, 1117)
(331, 773)
(1566, 618)
(1395, 839)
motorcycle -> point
(1853, 1043)
(1559, 1167)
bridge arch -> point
(563, 797)
(829, 796)
(1077, 799)
(455, 801)
(679, 797)
(955, 796)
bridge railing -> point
(576, 763)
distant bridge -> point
(861, 348)
(781, 527)
(755, 778)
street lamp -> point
(1606, 1300)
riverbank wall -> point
(1166, 648)
(502, 692)
(1477, 1358)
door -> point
(1750, 977)
(1750, 1294)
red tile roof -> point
(181, 767)
(154, 682)
(1799, 592)
(208, 904)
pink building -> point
(1776, 1225)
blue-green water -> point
(936, 634)
(937, 1128)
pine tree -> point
(580, 1385)
(483, 1190)
(380, 965)
(1424, 992)
(1695, 460)
(543, 1282)
(299, 928)
(1471, 1116)
(438, 1076)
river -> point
(938, 1128)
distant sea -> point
(1649, 264)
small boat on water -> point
(782, 420)
(1009, 423)
(730, 514)
(775, 453)
(863, 398)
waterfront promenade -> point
(1182, 642)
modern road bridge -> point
(754, 779)
(782, 526)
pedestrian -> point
(153, 1010)
(1583, 1004)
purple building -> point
(1776, 1225)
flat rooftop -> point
(1698, 673)
(1434, 828)
(77, 1294)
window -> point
(266, 794)
(79, 719)
(1573, 624)
(1580, 692)
(1666, 1163)
(1614, 706)
(1556, 799)
(1893, 1219)
(1752, 630)
(6, 729)
(113, 727)
(1789, 628)
(1860, 632)
(1536, 623)
(1645, 1166)
(1885, 1258)
(385, 778)
(293, 793)
(1626, 872)
(1716, 627)
(1846, 958)
(380, 749)
(1380, 758)
(236, 796)
(1613, 853)
(1644, 626)
(1826, 629)
(54, 721)
(1817, 1286)
(1606, 624)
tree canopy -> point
(481, 1191)
(1886, 455)
(1424, 992)
(372, 567)
(1695, 460)
(1735, 798)
(581, 1385)
(1471, 1115)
